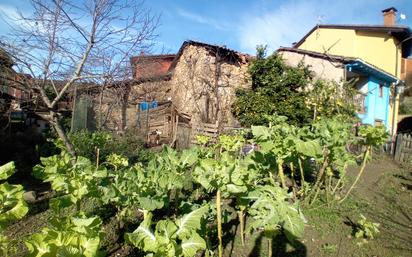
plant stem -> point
(270, 242)
(242, 226)
(292, 176)
(281, 173)
(365, 157)
(327, 185)
(97, 158)
(339, 180)
(219, 222)
(302, 174)
(78, 205)
(318, 180)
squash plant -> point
(73, 179)
(151, 187)
(333, 134)
(272, 213)
(170, 238)
(225, 176)
(69, 236)
(370, 137)
(12, 205)
(276, 140)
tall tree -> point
(75, 42)
(276, 88)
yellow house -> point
(387, 46)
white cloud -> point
(203, 19)
(289, 22)
(8, 13)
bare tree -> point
(76, 42)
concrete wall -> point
(377, 48)
(323, 69)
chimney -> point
(389, 16)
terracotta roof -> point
(147, 67)
(398, 31)
(145, 57)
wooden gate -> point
(403, 148)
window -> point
(380, 90)
(359, 102)
(378, 123)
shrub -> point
(276, 88)
(130, 145)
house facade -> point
(204, 81)
(373, 84)
(387, 47)
(200, 80)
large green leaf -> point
(75, 236)
(191, 245)
(310, 148)
(143, 237)
(271, 210)
(293, 223)
(12, 204)
(6, 170)
(261, 132)
(191, 221)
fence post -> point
(398, 147)
(407, 154)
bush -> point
(276, 88)
(129, 145)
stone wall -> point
(113, 106)
(203, 84)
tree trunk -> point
(54, 121)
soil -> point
(383, 195)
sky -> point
(243, 24)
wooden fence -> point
(204, 129)
(403, 148)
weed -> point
(329, 248)
(366, 230)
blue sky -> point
(242, 24)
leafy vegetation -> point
(291, 92)
(366, 230)
(12, 206)
(69, 236)
(170, 238)
(176, 203)
(276, 88)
